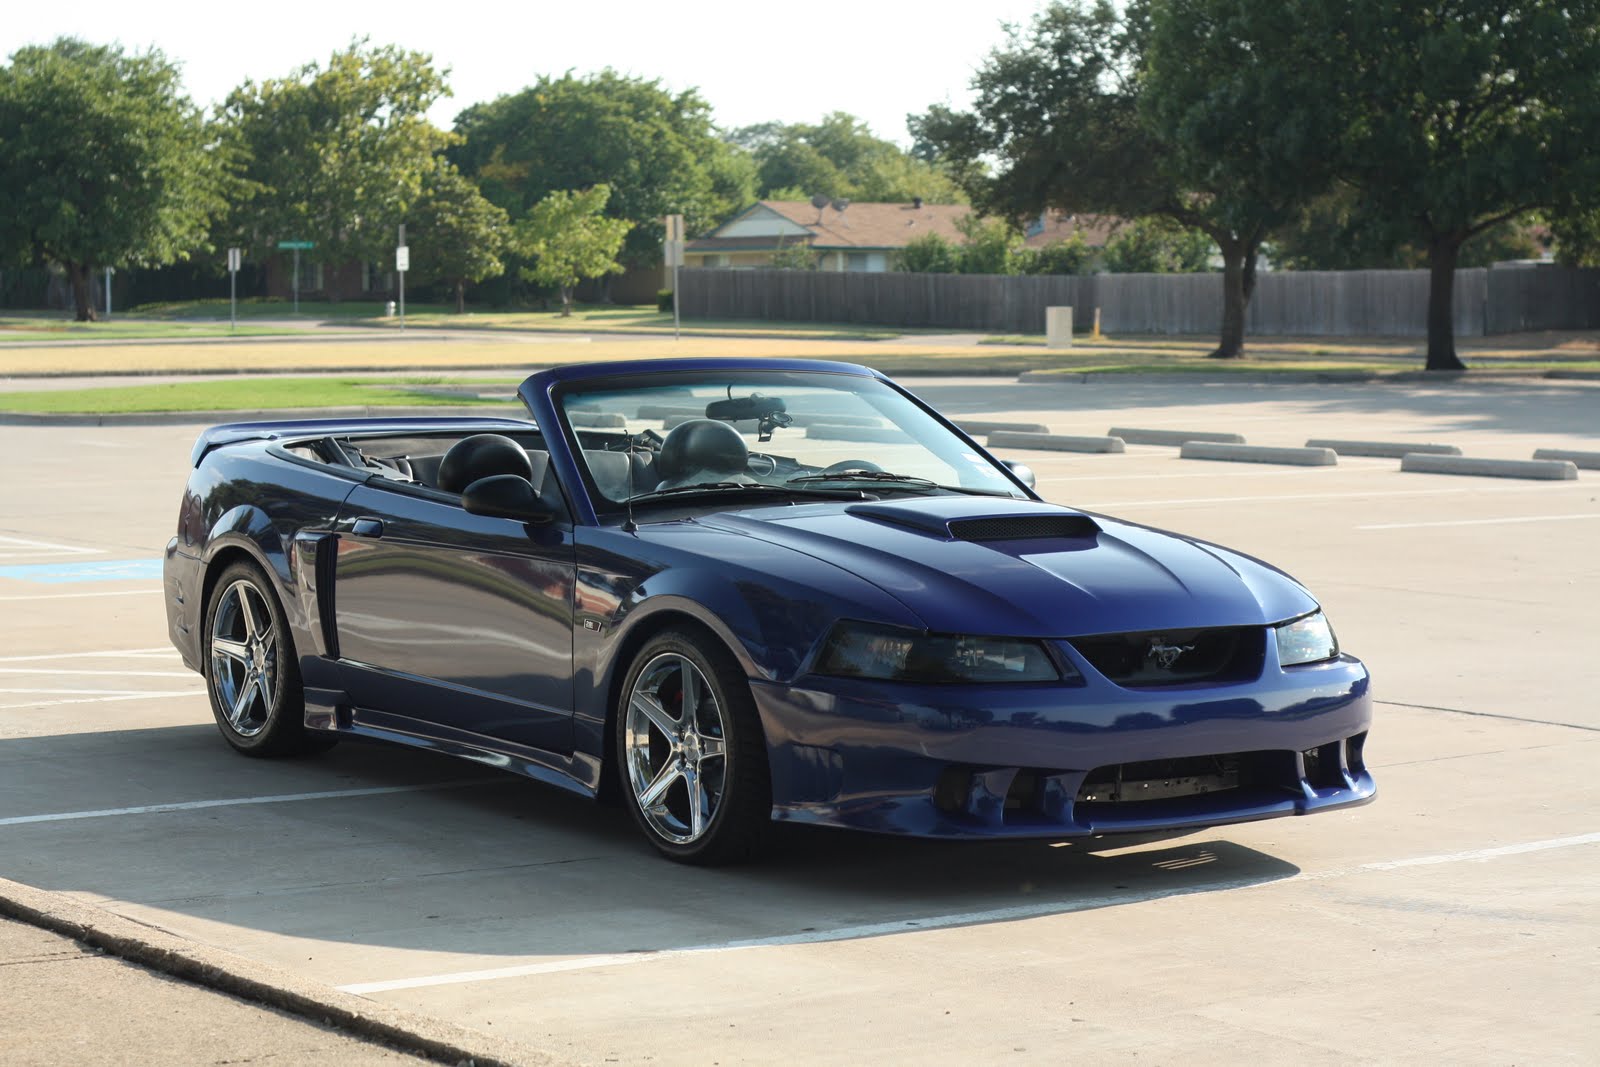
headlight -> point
(859, 650)
(1306, 640)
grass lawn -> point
(243, 394)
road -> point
(1452, 920)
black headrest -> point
(702, 445)
(481, 456)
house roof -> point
(858, 226)
(1053, 226)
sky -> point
(752, 62)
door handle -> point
(367, 528)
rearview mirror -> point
(1023, 472)
(507, 496)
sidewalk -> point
(67, 1003)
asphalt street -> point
(1453, 920)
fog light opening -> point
(951, 791)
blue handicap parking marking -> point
(109, 570)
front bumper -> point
(1062, 760)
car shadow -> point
(410, 851)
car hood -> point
(1028, 569)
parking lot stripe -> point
(1479, 522)
(79, 673)
(971, 918)
(98, 700)
(119, 653)
(44, 548)
(1358, 495)
(232, 802)
(78, 596)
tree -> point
(336, 155)
(1099, 111)
(798, 256)
(568, 238)
(657, 151)
(456, 235)
(102, 162)
(928, 254)
(839, 157)
(1070, 255)
(990, 246)
(1335, 232)
(1456, 118)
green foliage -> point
(664, 301)
(456, 236)
(795, 257)
(1156, 246)
(655, 150)
(839, 157)
(1070, 255)
(991, 246)
(336, 154)
(928, 254)
(102, 162)
(569, 238)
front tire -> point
(252, 673)
(691, 754)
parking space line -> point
(99, 700)
(43, 548)
(971, 918)
(119, 653)
(79, 596)
(1479, 522)
(282, 798)
(1476, 490)
(78, 672)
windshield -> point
(802, 433)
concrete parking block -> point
(1552, 470)
(1587, 460)
(983, 427)
(1136, 436)
(1294, 457)
(1046, 442)
(834, 432)
(1382, 449)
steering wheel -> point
(760, 464)
(851, 465)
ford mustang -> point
(734, 592)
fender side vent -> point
(1023, 528)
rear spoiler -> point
(232, 433)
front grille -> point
(1176, 657)
(1023, 528)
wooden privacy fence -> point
(1374, 303)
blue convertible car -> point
(739, 591)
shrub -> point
(663, 299)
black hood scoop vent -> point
(1051, 525)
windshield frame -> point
(647, 375)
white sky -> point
(752, 61)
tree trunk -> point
(82, 292)
(1443, 251)
(566, 301)
(1235, 296)
(461, 296)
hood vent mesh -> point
(1023, 527)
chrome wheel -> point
(674, 746)
(244, 658)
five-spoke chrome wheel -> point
(244, 657)
(674, 742)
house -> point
(846, 236)
(1052, 226)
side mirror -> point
(1023, 472)
(507, 496)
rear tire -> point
(691, 756)
(251, 670)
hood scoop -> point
(1003, 526)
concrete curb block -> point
(1046, 442)
(1135, 436)
(211, 418)
(1294, 457)
(217, 969)
(1586, 460)
(882, 434)
(1540, 469)
(982, 428)
(1382, 449)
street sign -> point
(672, 253)
(297, 245)
(234, 256)
(674, 227)
(402, 258)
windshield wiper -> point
(757, 487)
(910, 481)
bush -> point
(663, 299)
(928, 254)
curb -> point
(1382, 449)
(1172, 437)
(1586, 460)
(213, 418)
(1046, 442)
(983, 427)
(213, 968)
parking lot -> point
(1454, 919)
